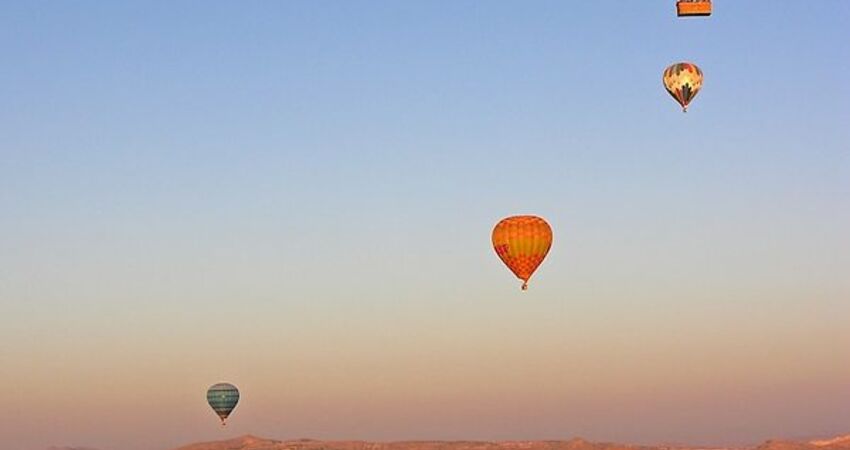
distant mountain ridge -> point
(70, 448)
(838, 440)
(249, 442)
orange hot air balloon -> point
(683, 81)
(522, 242)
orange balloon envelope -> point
(683, 81)
(522, 242)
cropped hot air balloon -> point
(688, 8)
(683, 81)
(223, 397)
(522, 242)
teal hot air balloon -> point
(223, 397)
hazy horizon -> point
(297, 198)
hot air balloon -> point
(223, 397)
(522, 242)
(687, 8)
(683, 81)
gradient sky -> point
(297, 197)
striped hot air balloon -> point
(522, 242)
(223, 397)
(683, 81)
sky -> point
(297, 198)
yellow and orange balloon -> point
(683, 81)
(522, 243)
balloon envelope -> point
(683, 81)
(522, 243)
(223, 397)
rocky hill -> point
(256, 443)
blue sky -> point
(308, 181)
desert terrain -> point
(257, 443)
